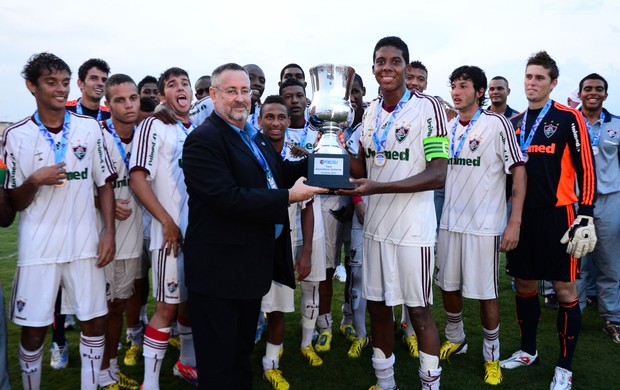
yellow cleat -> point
(492, 373)
(111, 386)
(275, 378)
(449, 348)
(349, 332)
(324, 343)
(309, 353)
(412, 345)
(375, 387)
(356, 348)
(133, 354)
(124, 382)
(175, 342)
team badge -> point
(20, 304)
(550, 130)
(612, 133)
(473, 144)
(79, 151)
(172, 286)
(401, 133)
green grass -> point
(596, 364)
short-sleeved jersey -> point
(403, 219)
(72, 106)
(352, 139)
(60, 224)
(201, 110)
(607, 159)
(158, 150)
(560, 152)
(475, 191)
(129, 231)
(294, 137)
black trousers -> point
(224, 332)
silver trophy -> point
(331, 112)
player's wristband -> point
(436, 147)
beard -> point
(238, 116)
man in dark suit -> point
(237, 239)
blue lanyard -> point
(119, 143)
(455, 153)
(261, 160)
(60, 148)
(595, 137)
(304, 137)
(526, 144)
(379, 141)
(186, 131)
(287, 138)
(78, 109)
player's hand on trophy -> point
(52, 175)
(121, 211)
(580, 237)
(298, 151)
(301, 191)
(362, 187)
(164, 114)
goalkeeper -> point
(556, 146)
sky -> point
(139, 38)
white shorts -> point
(333, 230)
(35, 288)
(469, 263)
(120, 276)
(168, 277)
(279, 298)
(398, 274)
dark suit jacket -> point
(230, 247)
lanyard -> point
(60, 148)
(379, 141)
(526, 144)
(287, 139)
(119, 143)
(78, 109)
(186, 131)
(455, 153)
(595, 137)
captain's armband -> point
(436, 147)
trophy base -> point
(329, 171)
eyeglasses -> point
(232, 93)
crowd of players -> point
(432, 180)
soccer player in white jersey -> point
(157, 180)
(69, 155)
(299, 141)
(483, 149)
(257, 83)
(402, 158)
(123, 102)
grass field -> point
(596, 365)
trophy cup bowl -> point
(332, 112)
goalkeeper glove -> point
(580, 237)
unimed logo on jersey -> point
(77, 175)
(124, 182)
(470, 162)
(390, 154)
(547, 149)
(153, 145)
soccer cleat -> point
(126, 383)
(69, 322)
(133, 354)
(375, 387)
(412, 344)
(111, 386)
(324, 343)
(175, 342)
(60, 356)
(309, 353)
(562, 379)
(518, 359)
(187, 373)
(348, 331)
(612, 329)
(492, 373)
(356, 348)
(449, 348)
(275, 378)
(340, 273)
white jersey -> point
(403, 219)
(158, 149)
(128, 232)
(352, 139)
(60, 224)
(201, 110)
(296, 137)
(475, 200)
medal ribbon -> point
(119, 143)
(78, 109)
(60, 148)
(186, 131)
(595, 137)
(526, 144)
(474, 119)
(379, 141)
